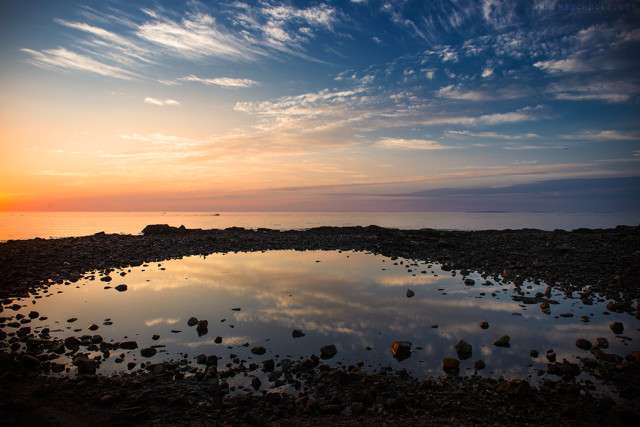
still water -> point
(27, 225)
(355, 300)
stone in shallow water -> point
(583, 344)
(401, 350)
(121, 288)
(617, 327)
(259, 350)
(193, 321)
(148, 352)
(503, 341)
(464, 350)
(410, 293)
(328, 351)
(484, 325)
(451, 365)
(297, 333)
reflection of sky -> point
(349, 299)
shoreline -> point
(586, 264)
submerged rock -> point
(583, 344)
(503, 341)
(464, 350)
(328, 351)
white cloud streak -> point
(161, 102)
(220, 81)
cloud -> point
(495, 135)
(411, 144)
(159, 138)
(220, 81)
(63, 59)
(161, 102)
(604, 135)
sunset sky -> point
(365, 105)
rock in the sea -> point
(410, 293)
(583, 344)
(533, 353)
(71, 342)
(259, 350)
(148, 352)
(503, 341)
(128, 345)
(155, 337)
(328, 351)
(602, 342)
(192, 321)
(93, 327)
(121, 288)
(617, 327)
(478, 365)
(203, 327)
(218, 340)
(564, 369)
(469, 282)
(297, 333)
(401, 350)
(85, 365)
(484, 325)
(464, 350)
(451, 365)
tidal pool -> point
(357, 301)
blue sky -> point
(336, 105)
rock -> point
(503, 341)
(463, 349)
(533, 353)
(478, 365)
(203, 327)
(71, 342)
(268, 365)
(564, 369)
(617, 327)
(605, 357)
(484, 325)
(451, 365)
(30, 361)
(328, 351)
(583, 344)
(192, 321)
(93, 327)
(148, 352)
(57, 367)
(256, 383)
(602, 342)
(128, 345)
(121, 288)
(297, 333)
(515, 388)
(469, 282)
(218, 340)
(85, 365)
(201, 359)
(155, 337)
(551, 356)
(73, 319)
(34, 315)
(410, 293)
(401, 350)
(131, 365)
(259, 350)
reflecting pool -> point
(359, 302)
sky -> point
(368, 105)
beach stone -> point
(401, 350)
(297, 333)
(602, 342)
(56, 368)
(484, 325)
(469, 282)
(410, 293)
(515, 388)
(201, 359)
(93, 327)
(503, 341)
(551, 356)
(617, 327)
(478, 365)
(268, 365)
(328, 351)
(148, 352)
(203, 327)
(71, 342)
(451, 365)
(218, 340)
(121, 288)
(583, 344)
(533, 353)
(463, 349)
(564, 369)
(34, 315)
(259, 350)
(155, 337)
(85, 365)
(128, 345)
(192, 321)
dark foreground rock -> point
(347, 397)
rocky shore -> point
(583, 263)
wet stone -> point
(401, 350)
(328, 351)
(410, 293)
(258, 350)
(484, 325)
(583, 344)
(503, 341)
(617, 327)
(602, 342)
(297, 333)
(148, 352)
(192, 321)
(463, 349)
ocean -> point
(28, 225)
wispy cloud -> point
(63, 59)
(161, 102)
(494, 135)
(604, 135)
(220, 81)
(412, 144)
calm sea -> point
(27, 225)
